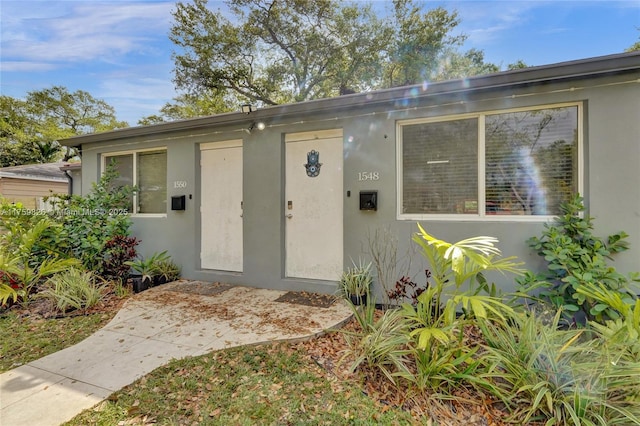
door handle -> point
(289, 216)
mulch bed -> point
(45, 309)
(469, 409)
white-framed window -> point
(147, 171)
(517, 164)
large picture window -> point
(520, 163)
(147, 171)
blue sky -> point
(119, 51)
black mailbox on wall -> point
(369, 200)
(178, 202)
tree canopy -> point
(635, 46)
(189, 106)
(280, 51)
(31, 128)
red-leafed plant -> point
(406, 288)
(118, 251)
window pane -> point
(152, 182)
(124, 166)
(531, 161)
(440, 167)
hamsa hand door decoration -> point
(313, 165)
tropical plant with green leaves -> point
(17, 261)
(16, 221)
(453, 265)
(442, 360)
(147, 267)
(382, 344)
(443, 368)
(74, 289)
(576, 257)
(555, 376)
(9, 283)
(622, 334)
(356, 281)
(167, 270)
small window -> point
(147, 171)
(514, 163)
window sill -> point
(148, 215)
(474, 218)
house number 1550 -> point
(368, 176)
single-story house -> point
(29, 184)
(288, 196)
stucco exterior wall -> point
(611, 125)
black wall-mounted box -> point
(178, 202)
(369, 200)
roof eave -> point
(584, 68)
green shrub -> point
(16, 221)
(453, 265)
(149, 267)
(168, 270)
(382, 345)
(575, 258)
(356, 281)
(90, 221)
(444, 368)
(559, 377)
(621, 335)
(17, 261)
(424, 344)
(74, 289)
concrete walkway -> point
(172, 321)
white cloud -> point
(25, 66)
(62, 32)
(118, 50)
(486, 21)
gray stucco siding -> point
(610, 119)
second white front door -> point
(314, 205)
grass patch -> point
(26, 339)
(267, 384)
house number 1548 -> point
(368, 176)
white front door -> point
(313, 205)
(221, 208)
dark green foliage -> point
(18, 262)
(274, 52)
(16, 222)
(576, 257)
(90, 221)
(30, 128)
